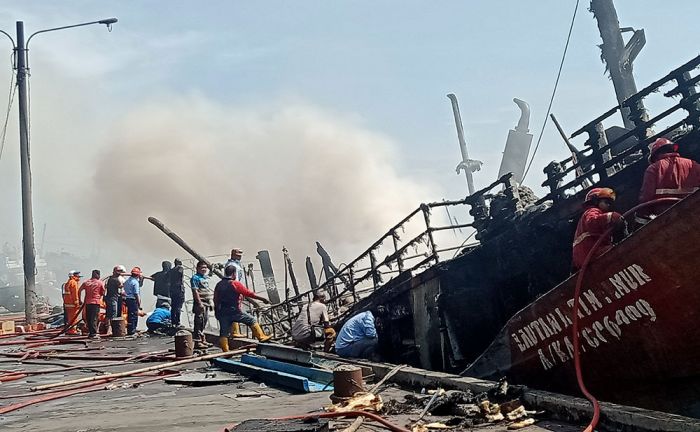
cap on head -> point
(74, 273)
(136, 271)
(119, 269)
(236, 251)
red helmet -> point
(136, 271)
(660, 144)
(600, 193)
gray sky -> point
(283, 116)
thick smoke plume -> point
(251, 178)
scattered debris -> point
(312, 425)
(501, 403)
(359, 402)
(521, 424)
(247, 395)
(203, 379)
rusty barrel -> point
(347, 380)
(118, 327)
(184, 346)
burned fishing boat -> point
(502, 306)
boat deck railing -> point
(600, 158)
(409, 246)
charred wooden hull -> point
(638, 320)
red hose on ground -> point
(71, 392)
(577, 292)
(352, 414)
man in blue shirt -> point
(132, 293)
(159, 318)
(358, 337)
(202, 304)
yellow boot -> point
(236, 331)
(259, 334)
(223, 343)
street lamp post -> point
(29, 259)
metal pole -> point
(27, 219)
(618, 57)
(462, 144)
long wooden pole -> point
(142, 370)
(199, 257)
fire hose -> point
(91, 387)
(577, 292)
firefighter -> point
(71, 302)
(668, 175)
(596, 219)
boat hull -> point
(638, 320)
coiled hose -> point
(577, 292)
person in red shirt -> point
(668, 175)
(94, 292)
(596, 219)
(228, 298)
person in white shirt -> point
(313, 324)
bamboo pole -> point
(142, 370)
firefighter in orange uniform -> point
(71, 302)
(596, 219)
(668, 175)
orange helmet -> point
(136, 271)
(599, 193)
(660, 144)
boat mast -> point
(618, 56)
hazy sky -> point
(221, 107)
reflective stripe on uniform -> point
(679, 191)
(581, 238)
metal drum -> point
(347, 380)
(184, 346)
(118, 327)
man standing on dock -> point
(597, 218)
(228, 298)
(94, 291)
(235, 260)
(115, 289)
(202, 296)
(132, 292)
(177, 292)
(71, 302)
(161, 284)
